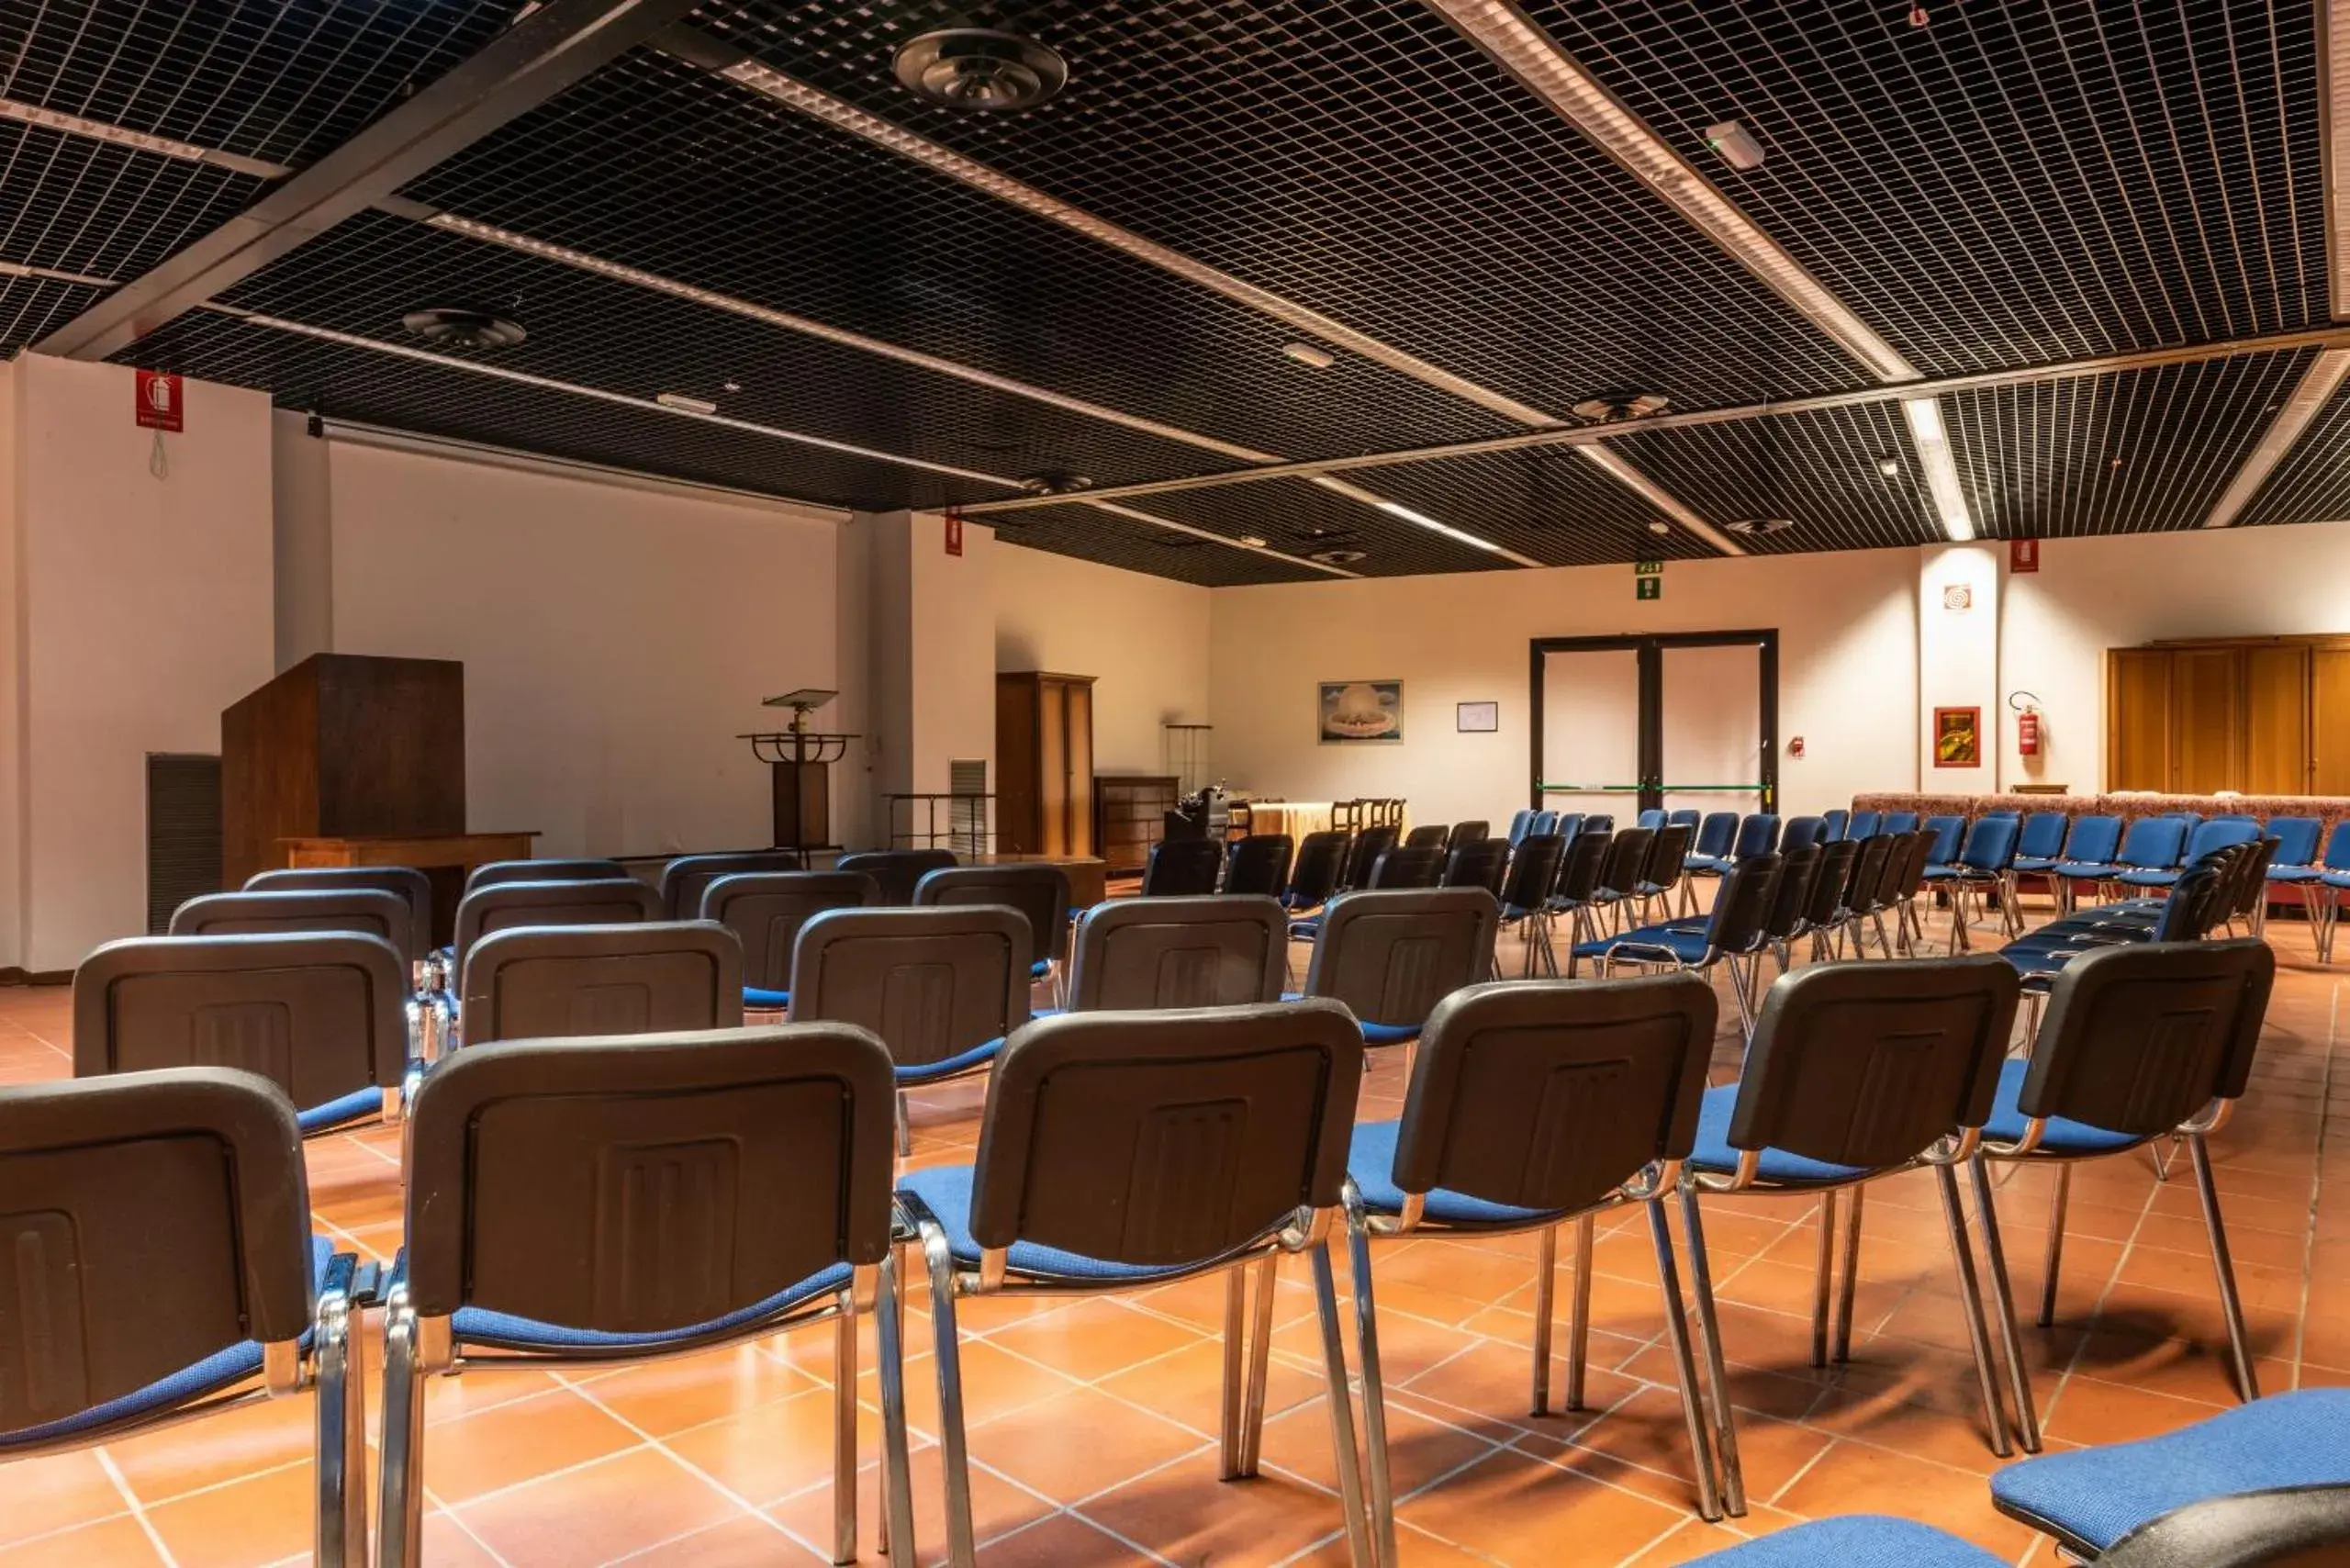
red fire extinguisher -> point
(2027, 724)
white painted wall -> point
(1847, 677)
(616, 636)
(142, 609)
(1144, 639)
(2093, 594)
(13, 848)
(1958, 656)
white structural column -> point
(1958, 661)
(931, 619)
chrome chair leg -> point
(341, 1436)
(1342, 1426)
(2056, 1244)
(1546, 1306)
(1994, 1255)
(905, 1127)
(1677, 1334)
(1374, 1392)
(1852, 1277)
(1579, 1314)
(1971, 1296)
(1261, 1349)
(1701, 1282)
(897, 1475)
(2231, 1303)
(946, 1349)
(399, 1541)
(845, 1430)
(1820, 1276)
(1235, 1349)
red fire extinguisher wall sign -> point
(954, 533)
(160, 406)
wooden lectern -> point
(348, 759)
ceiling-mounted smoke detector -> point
(1337, 557)
(464, 327)
(979, 69)
(1056, 482)
(1609, 408)
(1752, 526)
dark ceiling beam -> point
(538, 57)
(1584, 435)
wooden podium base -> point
(803, 805)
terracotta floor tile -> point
(997, 1508)
(40, 1496)
(1076, 1444)
(239, 1443)
(747, 1541)
(1853, 1478)
(773, 1451)
(614, 1506)
(516, 1442)
(244, 1523)
(667, 1396)
(1260, 1520)
(1091, 1340)
(1516, 1510)
(111, 1543)
(1187, 1388)
(1063, 1541)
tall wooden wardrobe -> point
(1044, 759)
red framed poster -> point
(1958, 737)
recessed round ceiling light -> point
(1659, 528)
(464, 327)
(1337, 557)
(1607, 408)
(1751, 525)
(979, 69)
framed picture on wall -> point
(1958, 737)
(1361, 711)
(1477, 718)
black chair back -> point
(897, 872)
(684, 880)
(1182, 868)
(1742, 916)
(1868, 1065)
(1798, 875)
(1039, 892)
(2142, 1036)
(1407, 867)
(1392, 957)
(1224, 950)
(1828, 885)
(1667, 854)
(1259, 865)
(1363, 853)
(766, 910)
(494, 906)
(1321, 861)
(1433, 836)
(1532, 870)
(1868, 872)
(1474, 830)
(621, 980)
(370, 911)
(1579, 871)
(933, 983)
(406, 881)
(491, 873)
(1628, 858)
(1551, 1094)
(1480, 863)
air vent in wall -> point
(967, 820)
(183, 832)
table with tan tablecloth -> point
(1295, 818)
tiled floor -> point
(1091, 1424)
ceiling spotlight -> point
(1659, 528)
(464, 327)
(1736, 145)
(1253, 543)
(685, 404)
(1056, 482)
(1889, 466)
(1754, 526)
(979, 69)
(1918, 18)
(732, 386)
(1336, 557)
(1609, 408)
(1306, 353)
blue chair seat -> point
(753, 996)
(2035, 864)
(1853, 1540)
(2335, 879)
(1309, 930)
(359, 1103)
(2148, 877)
(1041, 969)
(476, 1325)
(1713, 1152)
(1708, 865)
(1389, 1034)
(1650, 942)
(1371, 1161)
(946, 1190)
(930, 1073)
(2295, 873)
(2060, 1137)
(2093, 870)
(221, 1371)
(2095, 1497)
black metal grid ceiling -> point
(362, 385)
(1091, 533)
(2011, 184)
(724, 188)
(2136, 451)
(366, 273)
(2313, 483)
(81, 206)
(1300, 518)
(29, 307)
(1819, 471)
(279, 80)
(1549, 503)
(1359, 156)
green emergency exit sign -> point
(1647, 588)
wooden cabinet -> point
(1044, 759)
(2264, 717)
(1130, 815)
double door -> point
(1686, 720)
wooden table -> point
(446, 858)
(1295, 818)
